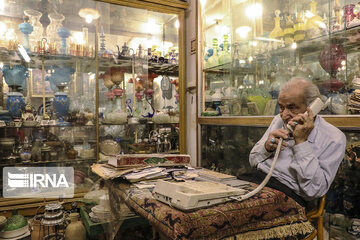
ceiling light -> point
(151, 27)
(89, 14)
(254, 10)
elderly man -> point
(310, 155)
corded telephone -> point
(315, 107)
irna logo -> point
(38, 182)
(16, 180)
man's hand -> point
(302, 124)
(273, 139)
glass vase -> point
(52, 36)
(61, 106)
(109, 106)
(36, 36)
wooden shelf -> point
(8, 57)
(341, 121)
(55, 126)
(30, 164)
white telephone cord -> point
(266, 180)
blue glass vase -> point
(61, 105)
(15, 104)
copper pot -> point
(39, 231)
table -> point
(268, 214)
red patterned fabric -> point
(269, 214)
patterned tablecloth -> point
(269, 214)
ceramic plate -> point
(19, 237)
(15, 234)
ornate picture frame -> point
(35, 76)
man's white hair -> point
(310, 90)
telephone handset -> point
(315, 107)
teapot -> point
(125, 51)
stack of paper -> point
(229, 180)
(147, 173)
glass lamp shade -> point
(60, 76)
(15, 77)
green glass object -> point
(225, 56)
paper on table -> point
(112, 161)
(143, 174)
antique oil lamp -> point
(26, 28)
(15, 78)
(118, 115)
(59, 78)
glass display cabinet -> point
(85, 80)
(248, 49)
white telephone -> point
(315, 107)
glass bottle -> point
(236, 56)
(139, 106)
(118, 115)
(110, 105)
(315, 25)
(53, 38)
(289, 31)
(225, 56)
(299, 28)
(37, 34)
(338, 16)
(277, 32)
(214, 59)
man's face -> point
(291, 103)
